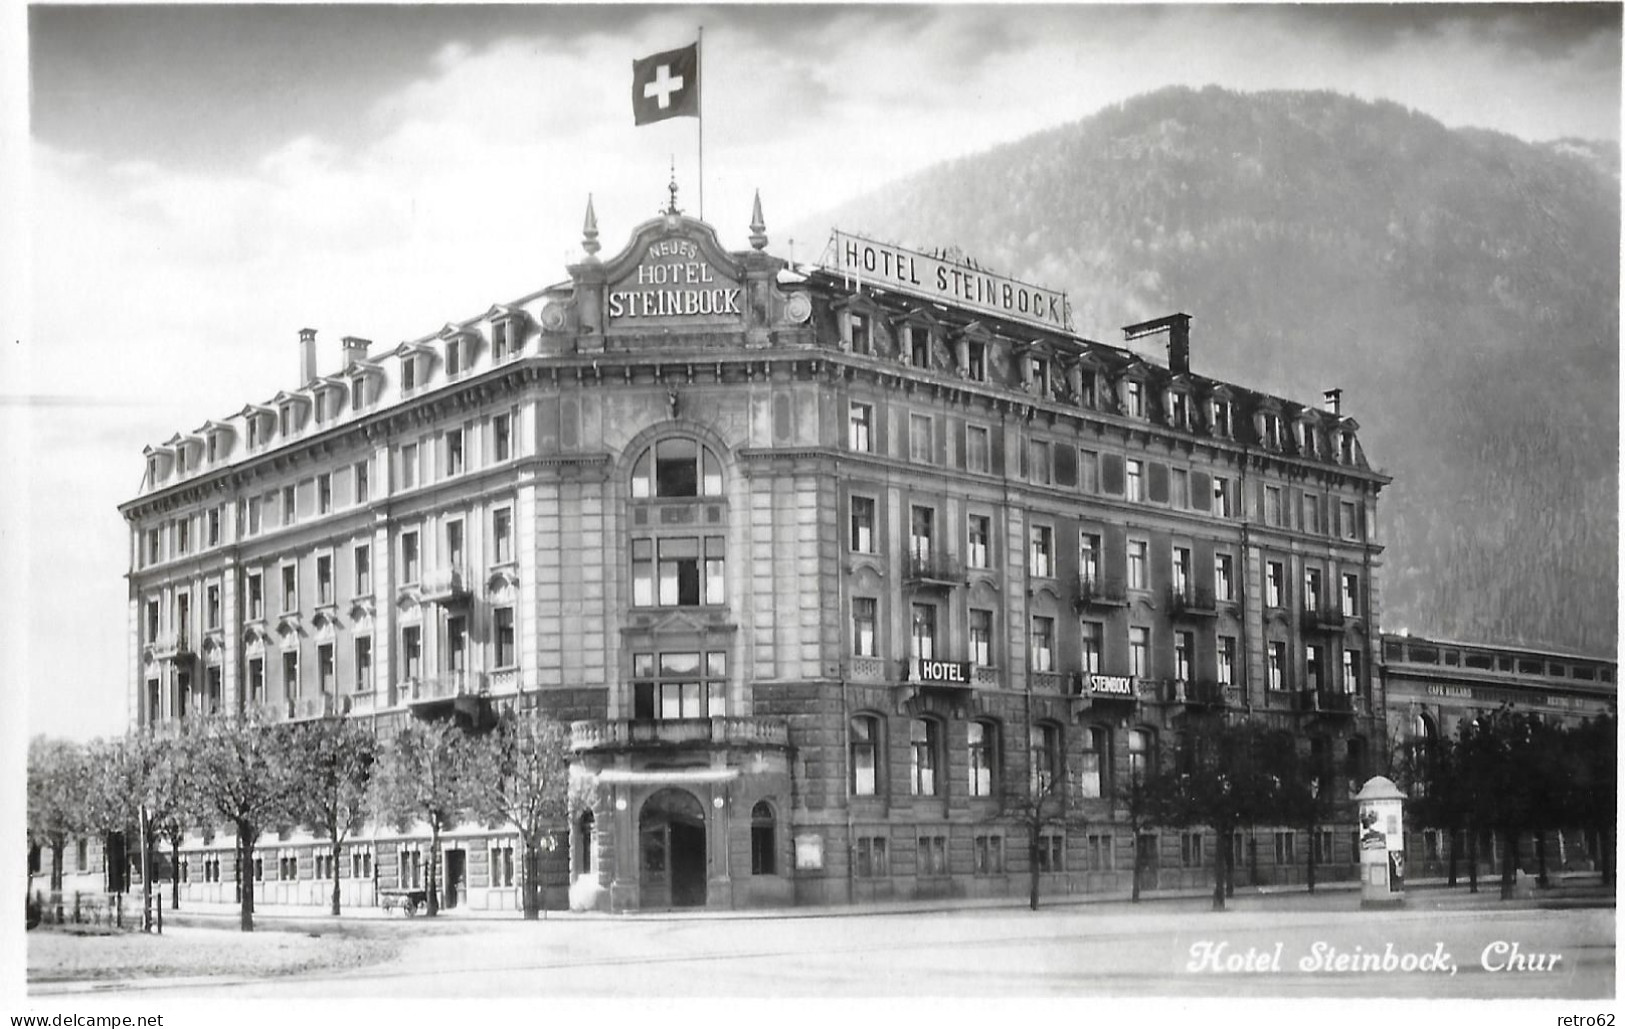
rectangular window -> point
(1043, 644)
(1088, 471)
(864, 745)
(502, 437)
(1184, 655)
(363, 570)
(499, 341)
(290, 674)
(1286, 848)
(1272, 505)
(980, 758)
(290, 510)
(922, 636)
(324, 493)
(976, 548)
(409, 465)
(502, 633)
(978, 449)
(256, 680)
(858, 332)
(1134, 488)
(256, 597)
(1227, 660)
(412, 652)
(183, 536)
(454, 543)
(919, 346)
(1089, 557)
(933, 856)
(290, 588)
(981, 637)
(1277, 664)
(1223, 506)
(214, 527)
(860, 428)
(1190, 849)
(1275, 584)
(863, 626)
(456, 643)
(924, 742)
(1039, 468)
(1139, 565)
(326, 669)
(1052, 852)
(256, 515)
(1351, 671)
(921, 535)
(363, 485)
(1351, 596)
(454, 452)
(1311, 589)
(1314, 665)
(502, 535)
(454, 358)
(1310, 522)
(1180, 480)
(871, 858)
(363, 664)
(1139, 651)
(1182, 570)
(1100, 853)
(211, 607)
(1134, 399)
(409, 557)
(324, 579)
(1224, 576)
(1093, 635)
(863, 525)
(989, 855)
(1041, 552)
(1348, 520)
(920, 449)
(1323, 847)
(152, 620)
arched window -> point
(763, 846)
(1092, 778)
(924, 743)
(982, 757)
(1141, 749)
(865, 751)
(676, 467)
(1044, 747)
(584, 843)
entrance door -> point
(671, 834)
(456, 868)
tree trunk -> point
(528, 869)
(1509, 846)
(174, 874)
(1032, 867)
(1540, 859)
(1455, 842)
(1310, 876)
(58, 845)
(1221, 860)
(433, 907)
(1134, 864)
(1472, 860)
(245, 877)
(336, 856)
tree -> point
(1142, 800)
(1307, 792)
(1428, 771)
(521, 777)
(424, 775)
(246, 775)
(145, 768)
(56, 795)
(1591, 771)
(335, 759)
(1223, 778)
(1499, 760)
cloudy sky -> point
(198, 183)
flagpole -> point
(699, 64)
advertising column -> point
(1382, 843)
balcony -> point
(619, 734)
(362, 703)
(322, 705)
(269, 711)
(931, 569)
(1192, 602)
(446, 686)
(1326, 702)
(1323, 619)
(174, 646)
(446, 586)
(1096, 592)
(1204, 693)
(505, 681)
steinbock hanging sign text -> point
(963, 285)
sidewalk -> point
(1572, 887)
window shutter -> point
(1111, 473)
(1066, 465)
(1201, 491)
(1157, 481)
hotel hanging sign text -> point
(921, 275)
(674, 280)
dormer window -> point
(409, 374)
(1179, 414)
(1308, 441)
(919, 346)
(180, 460)
(1134, 398)
(212, 447)
(1269, 429)
(859, 332)
(1220, 410)
(976, 360)
(455, 358)
(1038, 375)
(358, 392)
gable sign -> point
(921, 275)
(675, 282)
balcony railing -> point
(322, 705)
(676, 732)
(1097, 592)
(930, 568)
(269, 711)
(362, 703)
(173, 646)
(505, 681)
(1192, 602)
(446, 686)
(1323, 619)
(1204, 693)
(445, 586)
(1326, 702)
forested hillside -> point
(1461, 286)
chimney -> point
(355, 349)
(1179, 338)
(1334, 400)
(307, 355)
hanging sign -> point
(947, 282)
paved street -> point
(1170, 948)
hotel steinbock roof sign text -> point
(921, 275)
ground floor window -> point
(1323, 847)
(933, 859)
(1051, 852)
(871, 857)
(1430, 844)
(1190, 849)
(989, 855)
(1100, 852)
(763, 846)
(410, 874)
(584, 844)
(501, 864)
(1286, 848)
(360, 863)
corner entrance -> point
(671, 845)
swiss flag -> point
(666, 85)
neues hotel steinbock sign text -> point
(906, 271)
(674, 280)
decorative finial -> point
(589, 232)
(758, 228)
(671, 205)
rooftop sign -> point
(948, 282)
(675, 280)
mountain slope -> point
(1461, 286)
